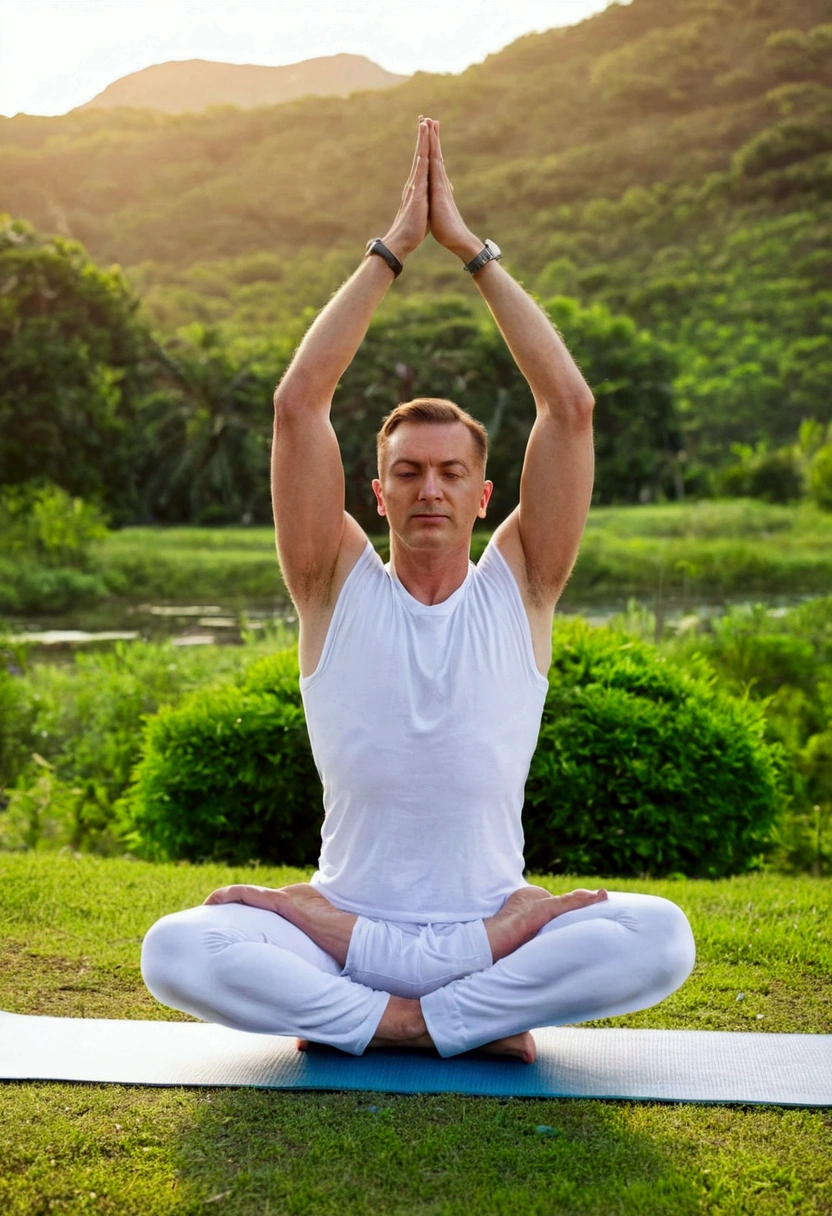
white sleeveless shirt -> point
(423, 720)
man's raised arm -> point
(540, 538)
(315, 537)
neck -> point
(430, 577)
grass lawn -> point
(70, 946)
(736, 547)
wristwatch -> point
(489, 253)
(377, 246)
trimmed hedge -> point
(642, 768)
(228, 775)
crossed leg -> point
(245, 967)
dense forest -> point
(660, 176)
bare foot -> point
(302, 905)
(526, 911)
(314, 915)
(401, 1025)
(521, 1046)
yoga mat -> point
(654, 1065)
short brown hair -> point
(432, 409)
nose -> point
(430, 487)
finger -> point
(438, 141)
(220, 896)
(419, 158)
(421, 145)
(423, 157)
(437, 163)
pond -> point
(218, 624)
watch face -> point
(493, 249)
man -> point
(423, 684)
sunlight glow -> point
(58, 54)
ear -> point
(380, 507)
(487, 491)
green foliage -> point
(71, 734)
(30, 588)
(637, 432)
(443, 347)
(46, 541)
(207, 434)
(15, 714)
(644, 767)
(71, 373)
(784, 661)
(229, 775)
(775, 477)
(675, 169)
(820, 477)
(43, 522)
(641, 768)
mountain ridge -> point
(190, 85)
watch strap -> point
(485, 255)
(377, 246)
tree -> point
(207, 434)
(448, 347)
(71, 370)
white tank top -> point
(423, 720)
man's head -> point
(431, 462)
(436, 410)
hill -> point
(196, 84)
(669, 158)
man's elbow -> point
(575, 408)
(290, 398)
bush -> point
(46, 537)
(644, 767)
(785, 660)
(14, 713)
(71, 734)
(31, 588)
(229, 776)
(641, 767)
(775, 477)
(820, 478)
(44, 523)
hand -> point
(241, 893)
(410, 227)
(446, 223)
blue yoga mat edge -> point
(610, 1064)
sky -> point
(57, 54)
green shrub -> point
(27, 587)
(73, 732)
(14, 716)
(641, 767)
(820, 477)
(46, 538)
(775, 477)
(785, 661)
(229, 775)
(644, 767)
(44, 523)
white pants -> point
(252, 970)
